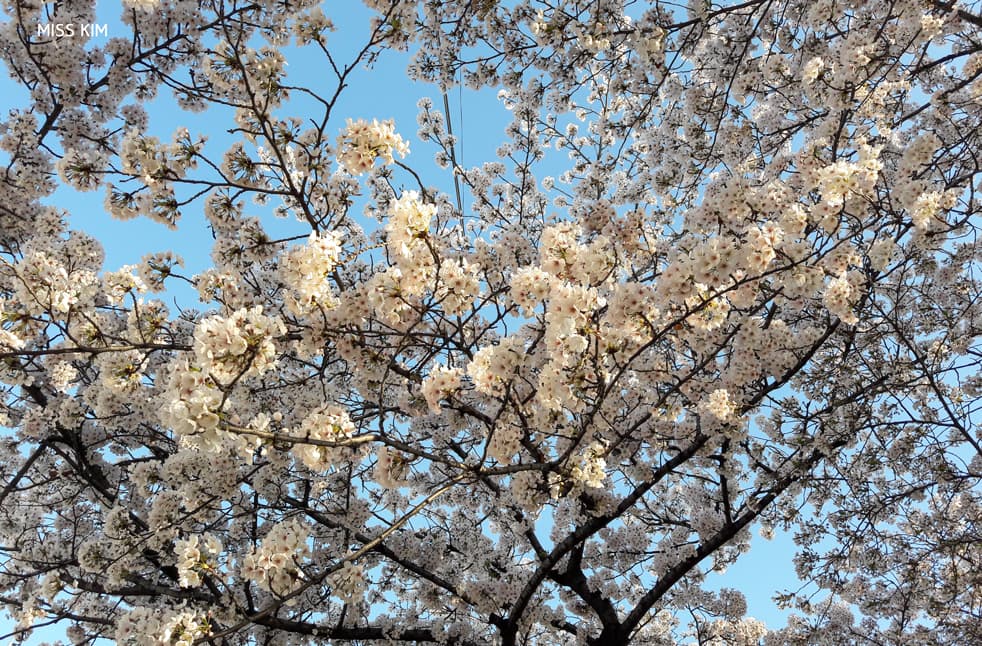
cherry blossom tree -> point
(721, 277)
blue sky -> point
(382, 92)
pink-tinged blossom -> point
(241, 345)
(362, 143)
(717, 276)
(439, 384)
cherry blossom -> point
(716, 278)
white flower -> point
(348, 582)
(241, 345)
(362, 143)
(307, 269)
(719, 405)
(274, 563)
(195, 554)
(493, 365)
(590, 471)
(839, 299)
(438, 384)
(391, 467)
(811, 70)
(409, 222)
(141, 5)
(331, 424)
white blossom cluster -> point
(439, 384)
(362, 143)
(193, 405)
(590, 471)
(145, 626)
(493, 365)
(276, 563)
(329, 425)
(196, 555)
(307, 269)
(240, 345)
(348, 582)
(719, 276)
(391, 467)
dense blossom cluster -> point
(362, 143)
(348, 582)
(719, 277)
(275, 564)
(240, 345)
(157, 627)
(440, 383)
(194, 556)
(307, 270)
(329, 425)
